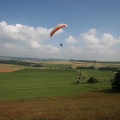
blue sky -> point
(92, 32)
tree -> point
(116, 81)
(92, 80)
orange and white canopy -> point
(59, 26)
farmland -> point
(35, 82)
(49, 93)
(9, 68)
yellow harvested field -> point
(9, 68)
(57, 62)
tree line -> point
(18, 62)
(15, 62)
(101, 68)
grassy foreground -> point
(92, 106)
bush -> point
(92, 80)
(77, 82)
(90, 67)
(108, 68)
(37, 65)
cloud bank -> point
(19, 38)
(26, 41)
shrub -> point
(37, 65)
(92, 80)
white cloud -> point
(13, 47)
(34, 44)
(103, 46)
(71, 39)
(50, 49)
(21, 40)
(106, 40)
(89, 37)
(21, 32)
(74, 50)
(20, 37)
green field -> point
(49, 94)
(35, 83)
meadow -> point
(49, 94)
(35, 82)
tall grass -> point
(90, 106)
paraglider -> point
(61, 44)
(55, 29)
(59, 26)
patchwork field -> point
(79, 64)
(49, 94)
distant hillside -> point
(52, 59)
(17, 58)
(28, 58)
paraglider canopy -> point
(59, 26)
